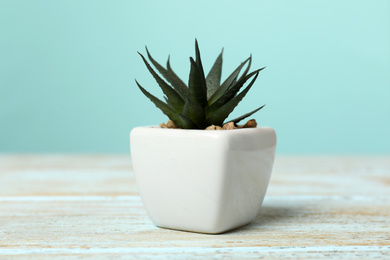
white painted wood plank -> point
(283, 221)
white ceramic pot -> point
(202, 181)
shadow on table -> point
(272, 216)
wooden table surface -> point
(81, 206)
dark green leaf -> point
(238, 119)
(195, 112)
(247, 68)
(199, 62)
(170, 76)
(187, 123)
(165, 108)
(228, 81)
(229, 94)
(169, 68)
(218, 116)
(243, 74)
(197, 85)
(213, 79)
(173, 97)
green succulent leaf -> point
(213, 79)
(187, 123)
(230, 93)
(197, 85)
(179, 81)
(195, 112)
(174, 98)
(218, 116)
(165, 108)
(227, 83)
(247, 68)
(238, 119)
(199, 62)
(170, 76)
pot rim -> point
(157, 128)
(180, 129)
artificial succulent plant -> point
(204, 101)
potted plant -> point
(197, 173)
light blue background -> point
(67, 69)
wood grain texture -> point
(80, 206)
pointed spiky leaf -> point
(173, 97)
(228, 81)
(169, 68)
(229, 94)
(243, 74)
(165, 108)
(247, 68)
(195, 112)
(197, 85)
(213, 79)
(238, 119)
(199, 61)
(218, 116)
(187, 123)
(171, 77)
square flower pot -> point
(202, 181)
